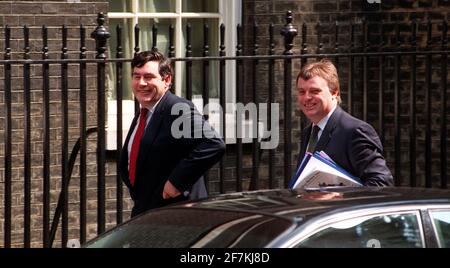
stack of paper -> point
(319, 170)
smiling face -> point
(148, 85)
(315, 98)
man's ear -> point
(334, 93)
(167, 80)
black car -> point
(325, 217)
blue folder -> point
(300, 169)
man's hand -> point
(170, 191)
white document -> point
(321, 171)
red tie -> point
(136, 142)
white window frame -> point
(229, 14)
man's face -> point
(148, 85)
(315, 98)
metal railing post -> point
(101, 35)
(289, 32)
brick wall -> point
(52, 14)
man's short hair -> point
(141, 58)
(324, 69)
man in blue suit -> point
(160, 166)
(351, 143)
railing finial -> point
(100, 34)
(289, 32)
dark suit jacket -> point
(163, 157)
(354, 145)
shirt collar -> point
(151, 108)
(323, 122)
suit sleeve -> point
(205, 149)
(365, 153)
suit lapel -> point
(304, 142)
(324, 138)
(124, 154)
(130, 131)
(329, 128)
(152, 130)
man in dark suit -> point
(351, 143)
(159, 165)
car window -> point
(441, 222)
(385, 231)
(181, 228)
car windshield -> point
(188, 227)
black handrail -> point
(58, 211)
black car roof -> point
(291, 203)
(283, 210)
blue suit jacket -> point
(354, 145)
(164, 157)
